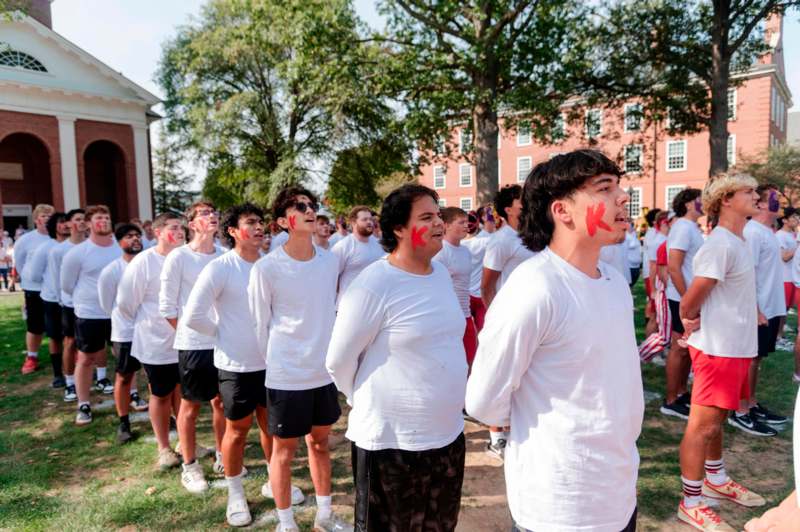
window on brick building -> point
(438, 177)
(635, 203)
(670, 193)
(465, 175)
(594, 123)
(16, 59)
(524, 165)
(676, 155)
(633, 117)
(523, 134)
(732, 100)
(633, 158)
(466, 204)
(558, 130)
(442, 202)
(464, 141)
(731, 150)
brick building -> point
(657, 165)
(73, 131)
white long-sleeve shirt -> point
(557, 361)
(181, 269)
(107, 285)
(80, 270)
(54, 260)
(766, 251)
(397, 354)
(293, 304)
(36, 271)
(458, 261)
(354, 256)
(222, 286)
(137, 301)
(505, 252)
(477, 248)
(23, 251)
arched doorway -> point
(25, 178)
(105, 179)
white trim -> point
(625, 158)
(586, 123)
(685, 155)
(460, 168)
(530, 167)
(732, 145)
(641, 193)
(499, 137)
(69, 162)
(143, 178)
(461, 203)
(732, 107)
(530, 139)
(444, 177)
(667, 200)
(625, 118)
(442, 202)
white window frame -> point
(530, 167)
(499, 166)
(685, 144)
(625, 127)
(731, 149)
(461, 140)
(667, 199)
(442, 202)
(444, 177)
(599, 123)
(639, 191)
(521, 138)
(499, 138)
(460, 175)
(560, 126)
(461, 204)
(733, 98)
(625, 158)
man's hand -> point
(762, 320)
(690, 326)
(783, 518)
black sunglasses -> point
(302, 206)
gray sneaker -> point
(70, 396)
(332, 524)
(167, 459)
(84, 416)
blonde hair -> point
(723, 186)
(43, 208)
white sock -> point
(218, 455)
(692, 492)
(494, 437)
(286, 517)
(101, 373)
(235, 487)
(70, 380)
(267, 469)
(81, 403)
(324, 510)
(715, 472)
(33, 354)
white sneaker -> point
(192, 478)
(297, 495)
(219, 467)
(331, 524)
(238, 513)
(167, 459)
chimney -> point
(39, 10)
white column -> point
(142, 171)
(69, 162)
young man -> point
(77, 234)
(222, 286)
(787, 236)
(557, 359)
(198, 376)
(683, 242)
(153, 336)
(458, 261)
(766, 251)
(322, 232)
(650, 219)
(357, 250)
(292, 295)
(80, 271)
(149, 237)
(37, 271)
(719, 311)
(655, 343)
(129, 238)
(476, 242)
(634, 254)
(34, 308)
(397, 354)
(486, 219)
(341, 231)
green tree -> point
(779, 165)
(171, 186)
(264, 91)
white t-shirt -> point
(788, 242)
(278, 240)
(766, 252)
(23, 252)
(615, 255)
(293, 304)
(397, 354)
(505, 252)
(458, 261)
(80, 270)
(37, 274)
(107, 285)
(652, 248)
(646, 243)
(335, 237)
(557, 361)
(181, 269)
(684, 235)
(137, 301)
(222, 286)
(634, 250)
(54, 260)
(477, 248)
(354, 256)
(728, 319)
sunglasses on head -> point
(302, 206)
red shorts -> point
(719, 381)
(478, 311)
(470, 341)
(790, 291)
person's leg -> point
(446, 466)
(218, 422)
(319, 459)
(160, 411)
(83, 375)
(470, 341)
(187, 422)
(280, 470)
(122, 390)
(676, 368)
(752, 379)
(702, 440)
(233, 444)
(264, 436)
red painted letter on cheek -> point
(243, 234)
(170, 238)
(594, 218)
(292, 221)
(416, 237)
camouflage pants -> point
(408, 491)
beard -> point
(364, 231)
(133, 250)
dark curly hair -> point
(396, 211)
(52, 223)
(230, 218)
(553, 180)
(650, 217)
(505, 198)
(286, 199)
(682, 198)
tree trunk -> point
(484, 118)
(719, 82)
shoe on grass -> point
(167, 459)
(702, 517)
(70, 396)
(238, 513)
(58, 382)
(104, 386)
(124, 434)
(84, 416)
(498, 450)
(30, 365)
(137, 403)
(192, 478)
(760, 413)
(219, 467)
(734, 492)
(746, 423)
(331, 524)
(675, 409)
(297, 494)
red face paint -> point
(594, 218)
(98, 226)
(416, 237)
(170, 238)
(292, 221)
(243, 234)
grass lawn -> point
(56, 476)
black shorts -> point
(126, 364)
(163, 378)
(52, 320)
(199, 377)
(92, 335)
(768, 336)
(242, 392)
(68, 322)
(675, 314)
(292, 413)
(34, 310)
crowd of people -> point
(518, 315)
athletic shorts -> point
(241, 393)
(52, 321)
(199, 376)
(163, 378)
(478, 310)
(126, 364)
(790, 292)
(292, 413)
(34, 310)
(68, 322)
(768, 336)
(722, 382)
(470, 341)
(675, 313)
(92, 335)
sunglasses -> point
(302, 206)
